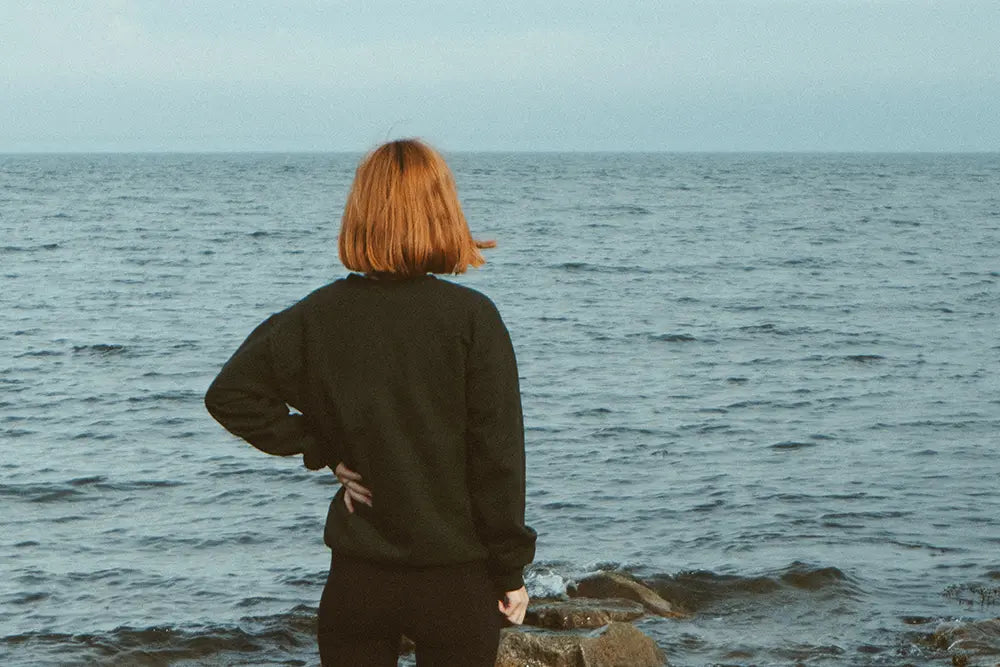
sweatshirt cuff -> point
(313, 453)
(507, 581)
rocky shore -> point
(590, 627)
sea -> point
(768, 385)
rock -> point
(621, 645)
(581, 613)
(522, 649)
(617, 585)
(614, 645)
(975, 637)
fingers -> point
(365, 498)
(516, 615)
(514, 605)
(357, 489)
(358, 492)
(343, 472)
(353, 490)
(352, 496)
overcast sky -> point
(842, 75)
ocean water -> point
(765, 383)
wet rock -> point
(977, 637)
(581, 613)
(522, 649)
(621, 645)
(617, 585)
(614, 645)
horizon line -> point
(543, 151)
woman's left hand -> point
(353, 491)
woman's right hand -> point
(514, 604)
(353, 491)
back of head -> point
(402, 216)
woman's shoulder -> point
(355, 286)
(461, 291)
(479, 304)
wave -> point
(587, 267)
(101, 349)
(613, 210)
(701, 589)
(770, 328)
(40, 493)
(76, 489)
(792, 444)
(625, 209)
(285, 638)
(612, 431)
(17, 248)
(592, 412)
(673, 338)
(39, 353)
(755, 403)
(179, 396)
(808, 262)
(864, 358)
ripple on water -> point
(101, 349)
(284, 638)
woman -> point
(406, 385)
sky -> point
(503, 75)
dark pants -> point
(450, 612)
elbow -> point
(209, 405)
(213, 400)
(220, 405)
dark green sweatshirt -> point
(413, 384)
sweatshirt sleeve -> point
(495, 441)
(253, 391)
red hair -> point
(403, 217)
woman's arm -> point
(252, 394)
(495, 440)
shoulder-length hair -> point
(402, 215)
